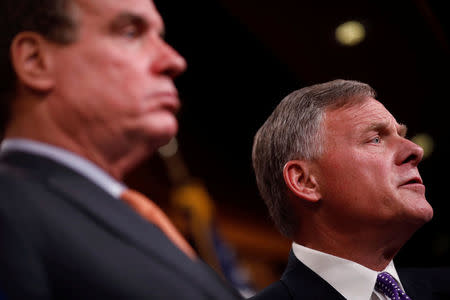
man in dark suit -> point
(341, 180)
(87, 93)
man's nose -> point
(169, 61)
(410, 153)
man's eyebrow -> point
(402, 130)
(378, 126)
(126, 18)
(384, 126)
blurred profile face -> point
(114, 85)
(368, 171)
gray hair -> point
(294, 131)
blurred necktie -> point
(387, 285)
(150, 211)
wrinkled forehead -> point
(111, 4)
(362, 114)
(107, 10)
(362, 106)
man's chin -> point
(161, 135)
(427, 214)
(164, 140)
(421, 215)
(416, 206)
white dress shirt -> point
(68, 159)
(350, 279)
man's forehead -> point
(110, 9)
(113, 3)
(368, 107)
(366, 114)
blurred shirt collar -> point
(68, 159)
(350, 279)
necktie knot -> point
(387, 285)
(152, 213)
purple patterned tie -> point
(387, 285)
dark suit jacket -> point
(62, 237)
(300, 282)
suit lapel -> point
(303, 283)
(112, 214)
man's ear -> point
(31, 60)
(300, 181)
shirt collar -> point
(68, 159)
(349, 278)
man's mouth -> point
(414, 184)
(415, 180)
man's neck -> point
(113, 159)
(372, 248)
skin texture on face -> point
(368, 174)
(113, 94)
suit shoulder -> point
(437, 279)
(277, 290)
(12, 178)
(436, 273)
(18, 190)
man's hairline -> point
(340, 103)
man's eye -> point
(130, 32)
(376, 140)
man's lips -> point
(168, 100)
(414, 183)
(412, 180)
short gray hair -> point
(293, 131)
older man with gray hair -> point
(340, 179)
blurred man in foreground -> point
(341, 180)
(87, 93)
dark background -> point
(245, 56)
